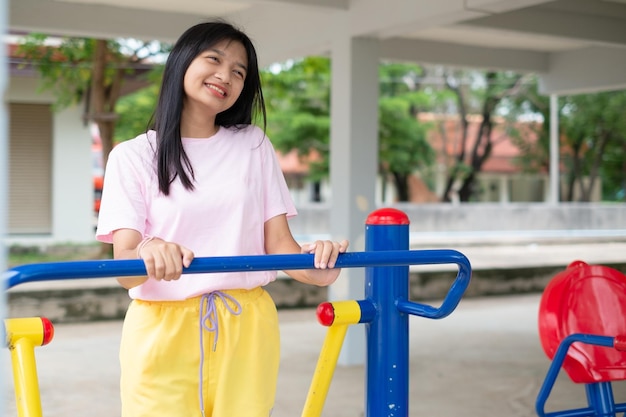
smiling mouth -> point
(217, 89)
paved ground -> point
(482, 361)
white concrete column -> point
(4, 187)
(554, 149)
(4, 151)
(505, 194)
(353, 164)
(72, 178)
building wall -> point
(30, 168)
(71, 184)
(476, 223)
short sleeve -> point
(123, 204)
(278, 199)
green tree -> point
(534, 154)
(481, 93)
(298, 107)
(592, 140)
(135, 111)
(403, 144)
(595, 128)
(89, 71)
(298, 99)
(403, 147)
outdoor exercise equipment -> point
(22, 335)
(384, 310)
(582, 327)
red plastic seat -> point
(587, 299)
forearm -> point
(319, 277)
(129, 282)
(278, 239)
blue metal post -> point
(387, 367)
(600, 398)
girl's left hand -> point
(326, 252)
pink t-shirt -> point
(238, 187)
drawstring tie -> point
(209, 322)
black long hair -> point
(172, 161)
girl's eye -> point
(239, 74)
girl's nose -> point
(223, 76)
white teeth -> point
(219, 90)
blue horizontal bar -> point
(135, 267)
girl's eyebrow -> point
(221, 53)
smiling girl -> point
(204, 181)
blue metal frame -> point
(387, 384)
(599, 395)
(387, 290)
(53, 271)
(385, 309)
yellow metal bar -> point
(27, 397)
(346, 313)
(324, 371)
(29, 328)
(23, 334)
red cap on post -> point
(48, 331)
(389, 216)
(326, 314)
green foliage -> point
(298, 100)
(592, 137)
(399, 78)
(403, 145)
(135, 110)
(402, 139)
(595, 126)
(65, 66)
(534, 154)
(470, 93)
(298, 106)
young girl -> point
(204, 182)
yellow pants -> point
(165, 372)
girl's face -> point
(215, 78)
